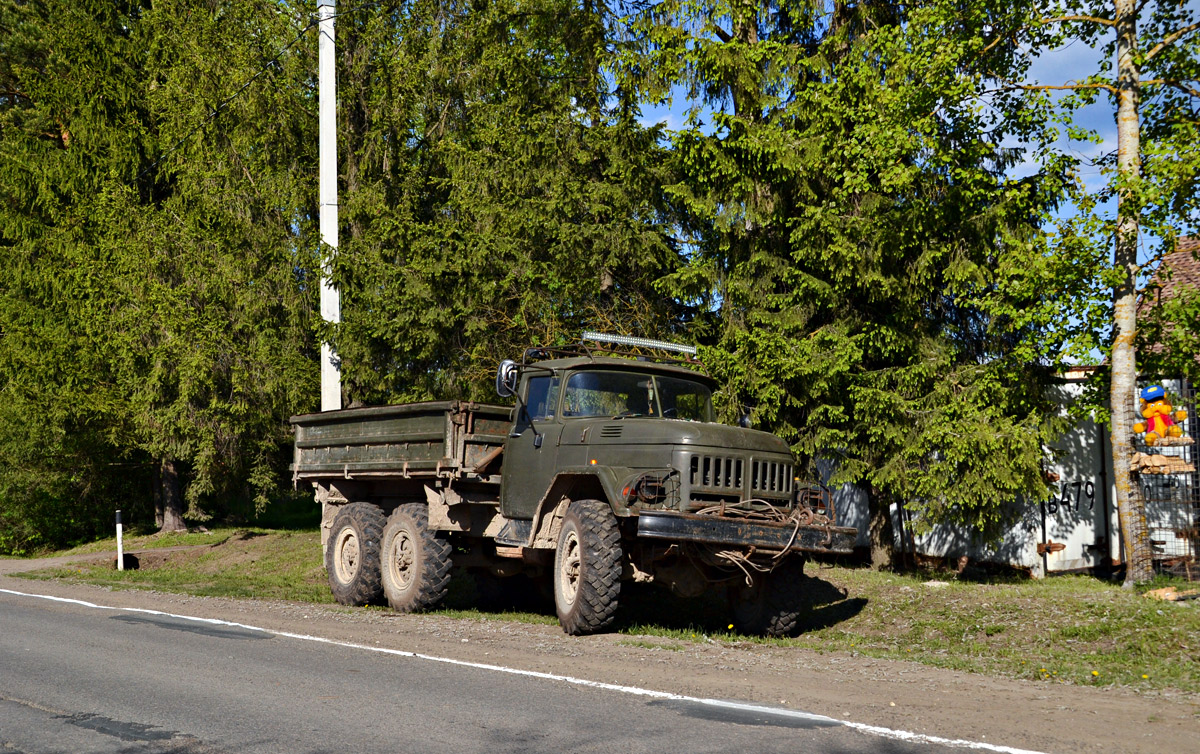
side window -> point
(542, 397)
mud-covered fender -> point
(577, 483)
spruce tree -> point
(496, 194)
(156, 301)
(877, 288)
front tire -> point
(773, 606)
(352, 558)
(416, 562)
(587, 568)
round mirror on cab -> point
(506, 378)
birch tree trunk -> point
(1131, 509)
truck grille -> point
(725, 475)
(716, 473)
(771, 477)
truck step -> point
(515, 532)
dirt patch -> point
(233, 552)
(1038, 715)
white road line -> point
(875, 730)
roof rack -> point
(539, 353)
(625, 340)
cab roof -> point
(628, 365)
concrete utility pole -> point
(331, 302)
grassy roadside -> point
(239, 563)
(1071, 629)
(134, 542)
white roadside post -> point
(120, 545)
(331, 305)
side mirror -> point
(744, 422)
(506, 378)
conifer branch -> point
(722, 35)
(225, 102)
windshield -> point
(621, 394)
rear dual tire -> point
(352, 555)
(415, 560)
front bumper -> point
(689, 527)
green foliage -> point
(154, 301)
(879, 291)
(836, 224)
(69, 118)
(1171, 332)
(1162, 194)
(496, 194)
(1151, 175)
(158, 293)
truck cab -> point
(644, 431)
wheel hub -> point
(402, 562)
(347, 551)
(569, 567)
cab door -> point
(530, 452)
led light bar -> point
(624, 340)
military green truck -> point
(609, 469)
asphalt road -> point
(82, 680)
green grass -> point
(1068, 629)
(241, 563)
(292, 512)
(133, 542)
(1073, 629)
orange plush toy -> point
(1160, 416)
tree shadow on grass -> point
(291, 512)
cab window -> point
(542, 397)
(627, 394)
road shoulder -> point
(1044, 716)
